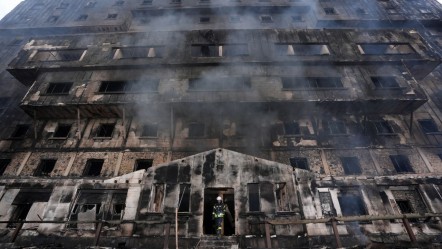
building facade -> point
(318, 122)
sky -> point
(7, 5)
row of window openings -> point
(227, 84)
(227, 50)
(351, 165)
(93, 166)
(197, 130)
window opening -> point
(93, 167)
(299, 162)
(62, 131)
(59, 88)
(20, 131)
(383, 127)
(428, 126)
(105, 130)
(401, 164)
(337, 127)
(385, 82)
(3, 164)
(254, 197)
(143, 164)
(351, 204)
(351, 165)
(45, 167)
(184, 197)
(196, 130)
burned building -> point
(318, 122)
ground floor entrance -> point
(210, 195)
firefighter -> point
(219, 211)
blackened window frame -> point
(105, 131)
(4, 163)
(62, 131)
(428, 126)
(20, 131)
(143, 164)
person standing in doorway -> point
(219, 211)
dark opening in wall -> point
(147, 2)
(302, 49)
(401, 164)
(120, 87)
(282, 200)
(330, 11)
(351, 204)
(292, 128)
(138, 52)
(383, 127)
(93, 167)
(219, 84)
(299, 162)
(351, 165)
(385, 82)
(82, 18)
(149, 130)
(3, 164)
(20, 131)
(385, 49)
(196, 130)
(254, 197)
(20, 212)
(60, 88)
(336, 128)
(59, 55)
(53, 19)
(112, 16)
(62, 131)
(184, 198)
(204, 19)
(105, 130)
(266, 19)
(45, 167)
(428, 125)
(300, 83)
(143, 164)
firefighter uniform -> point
(219, 211)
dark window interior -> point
(143, 164)
(428, 126)
(351, 165)
(45, 167)
(351, 205)
(301, 83)
(105, 130)
(405, 206)
(3, 164)
(385, 82)
(337, 127)
(196, 130)
(59, 88)
(254, 202)
(383, 127)
(386, 48)
(150, 130)
(204, 19)
(330, 11)
(62, 130)
(112, 16)
(184, 198)
(292, 128)
(299, 162)
(401, 164)
(266, 19)
(219, 84)
(20, 131)
(93, 167)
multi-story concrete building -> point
(318, 122)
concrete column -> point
(119, 160)
(23, 163)
(71, 162)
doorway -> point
(210, 195)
